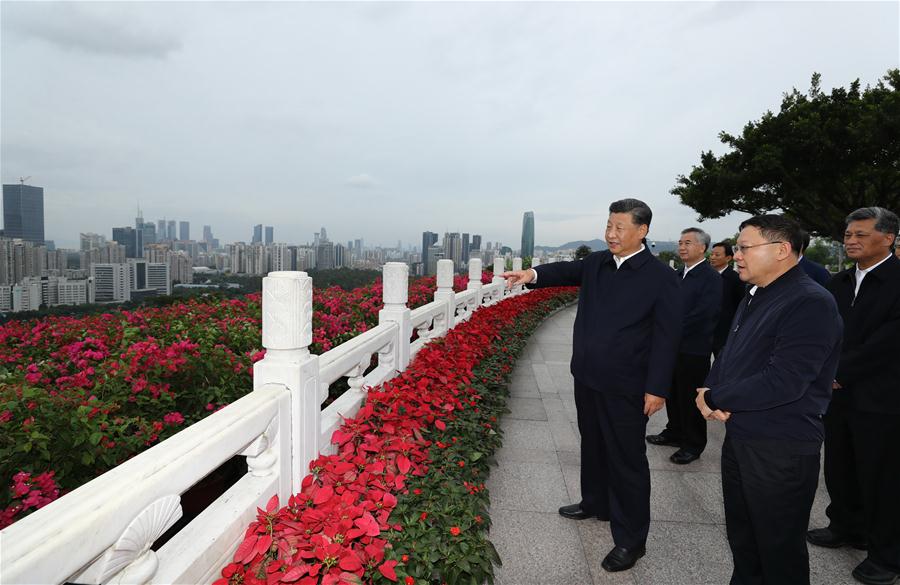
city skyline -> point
(384, 119)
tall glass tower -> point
(528, 234)
(23, 212)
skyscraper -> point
(161, 233)
(476, 242)
(185, 231)
(453, 249)
(528, 235)
(270, 234)
(23, 212)
(207, 234)
(428, 240)
(170, 232)
(465, 248)
(257, 234)
(127, 236)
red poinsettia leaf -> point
(294, 573)
(369, 524)
(351, 563)
(263, 544)
(220, 582)
(403, 463)
(246, 550)
(440, 425)
(273, 504)
(390, 500)
(323, 494)
(387, 569)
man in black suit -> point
(701, 289)
(626, 337)
(862, 426)
(733, 291)
(772, 384)
(814, 270)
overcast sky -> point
(381, 120)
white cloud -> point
(362, 181)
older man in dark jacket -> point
(627, 332)
(862, 427)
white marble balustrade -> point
(102, 532)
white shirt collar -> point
(724, 269)
(862, 272)
(691, 267)
(619, 261)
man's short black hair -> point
(777, 228)
(640, 211)
(729, 251)
(806, 240)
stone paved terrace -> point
(538, 471)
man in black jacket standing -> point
(701, 291)
(626, 336)
(862, 426)
(772, 384)
(733, 290)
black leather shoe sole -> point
(619, 559)
(826, 539)
(662, 441)
(574, 512)
(683, 457)
(869, 574)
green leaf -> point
(95, 437)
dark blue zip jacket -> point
(628, 326)
(775, 372)
(701, 291)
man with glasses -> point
(627, 332)
(771, 385)
(701, 289)
(862, 426)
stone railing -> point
(103, 532)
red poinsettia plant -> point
(403, 500)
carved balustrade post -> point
(445, 292)
(475, 279)
(396, 294)
(517, 265)
(287, 335)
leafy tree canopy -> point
(582, 251)
(819, 158)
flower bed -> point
(81, 395)
(403, 500)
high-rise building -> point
(428, 240)
(270, 235)
(91, 241)
(528, 235)
(324, 255)
(207, 234)
(170, 231)
(339, 256)
(257, 234)
(453, 249)
(161, 233)
(465, 249)
(184, 229)
(112, 282)
(476, 242)
(23, 212)
(127, 236)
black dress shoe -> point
(830, 539)
(622, 559)
(575, 512)
(662, 439)
(682, 457)
(872, 574)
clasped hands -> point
(706, 411)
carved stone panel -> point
(287, 310)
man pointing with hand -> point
(626, 338)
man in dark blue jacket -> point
(626, 337)
(772, 384)
(701, 291)
(814, 270)
(862, 426)
(732, 291)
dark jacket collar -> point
(635, 261)
(884, 270)
(785, 280)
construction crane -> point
(23, 179)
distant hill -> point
(597, 245)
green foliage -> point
(582, 251)
(817, 159)
(667, 255)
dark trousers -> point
(615, 475)
(768, 488)
(686, 424)
(862, 474)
